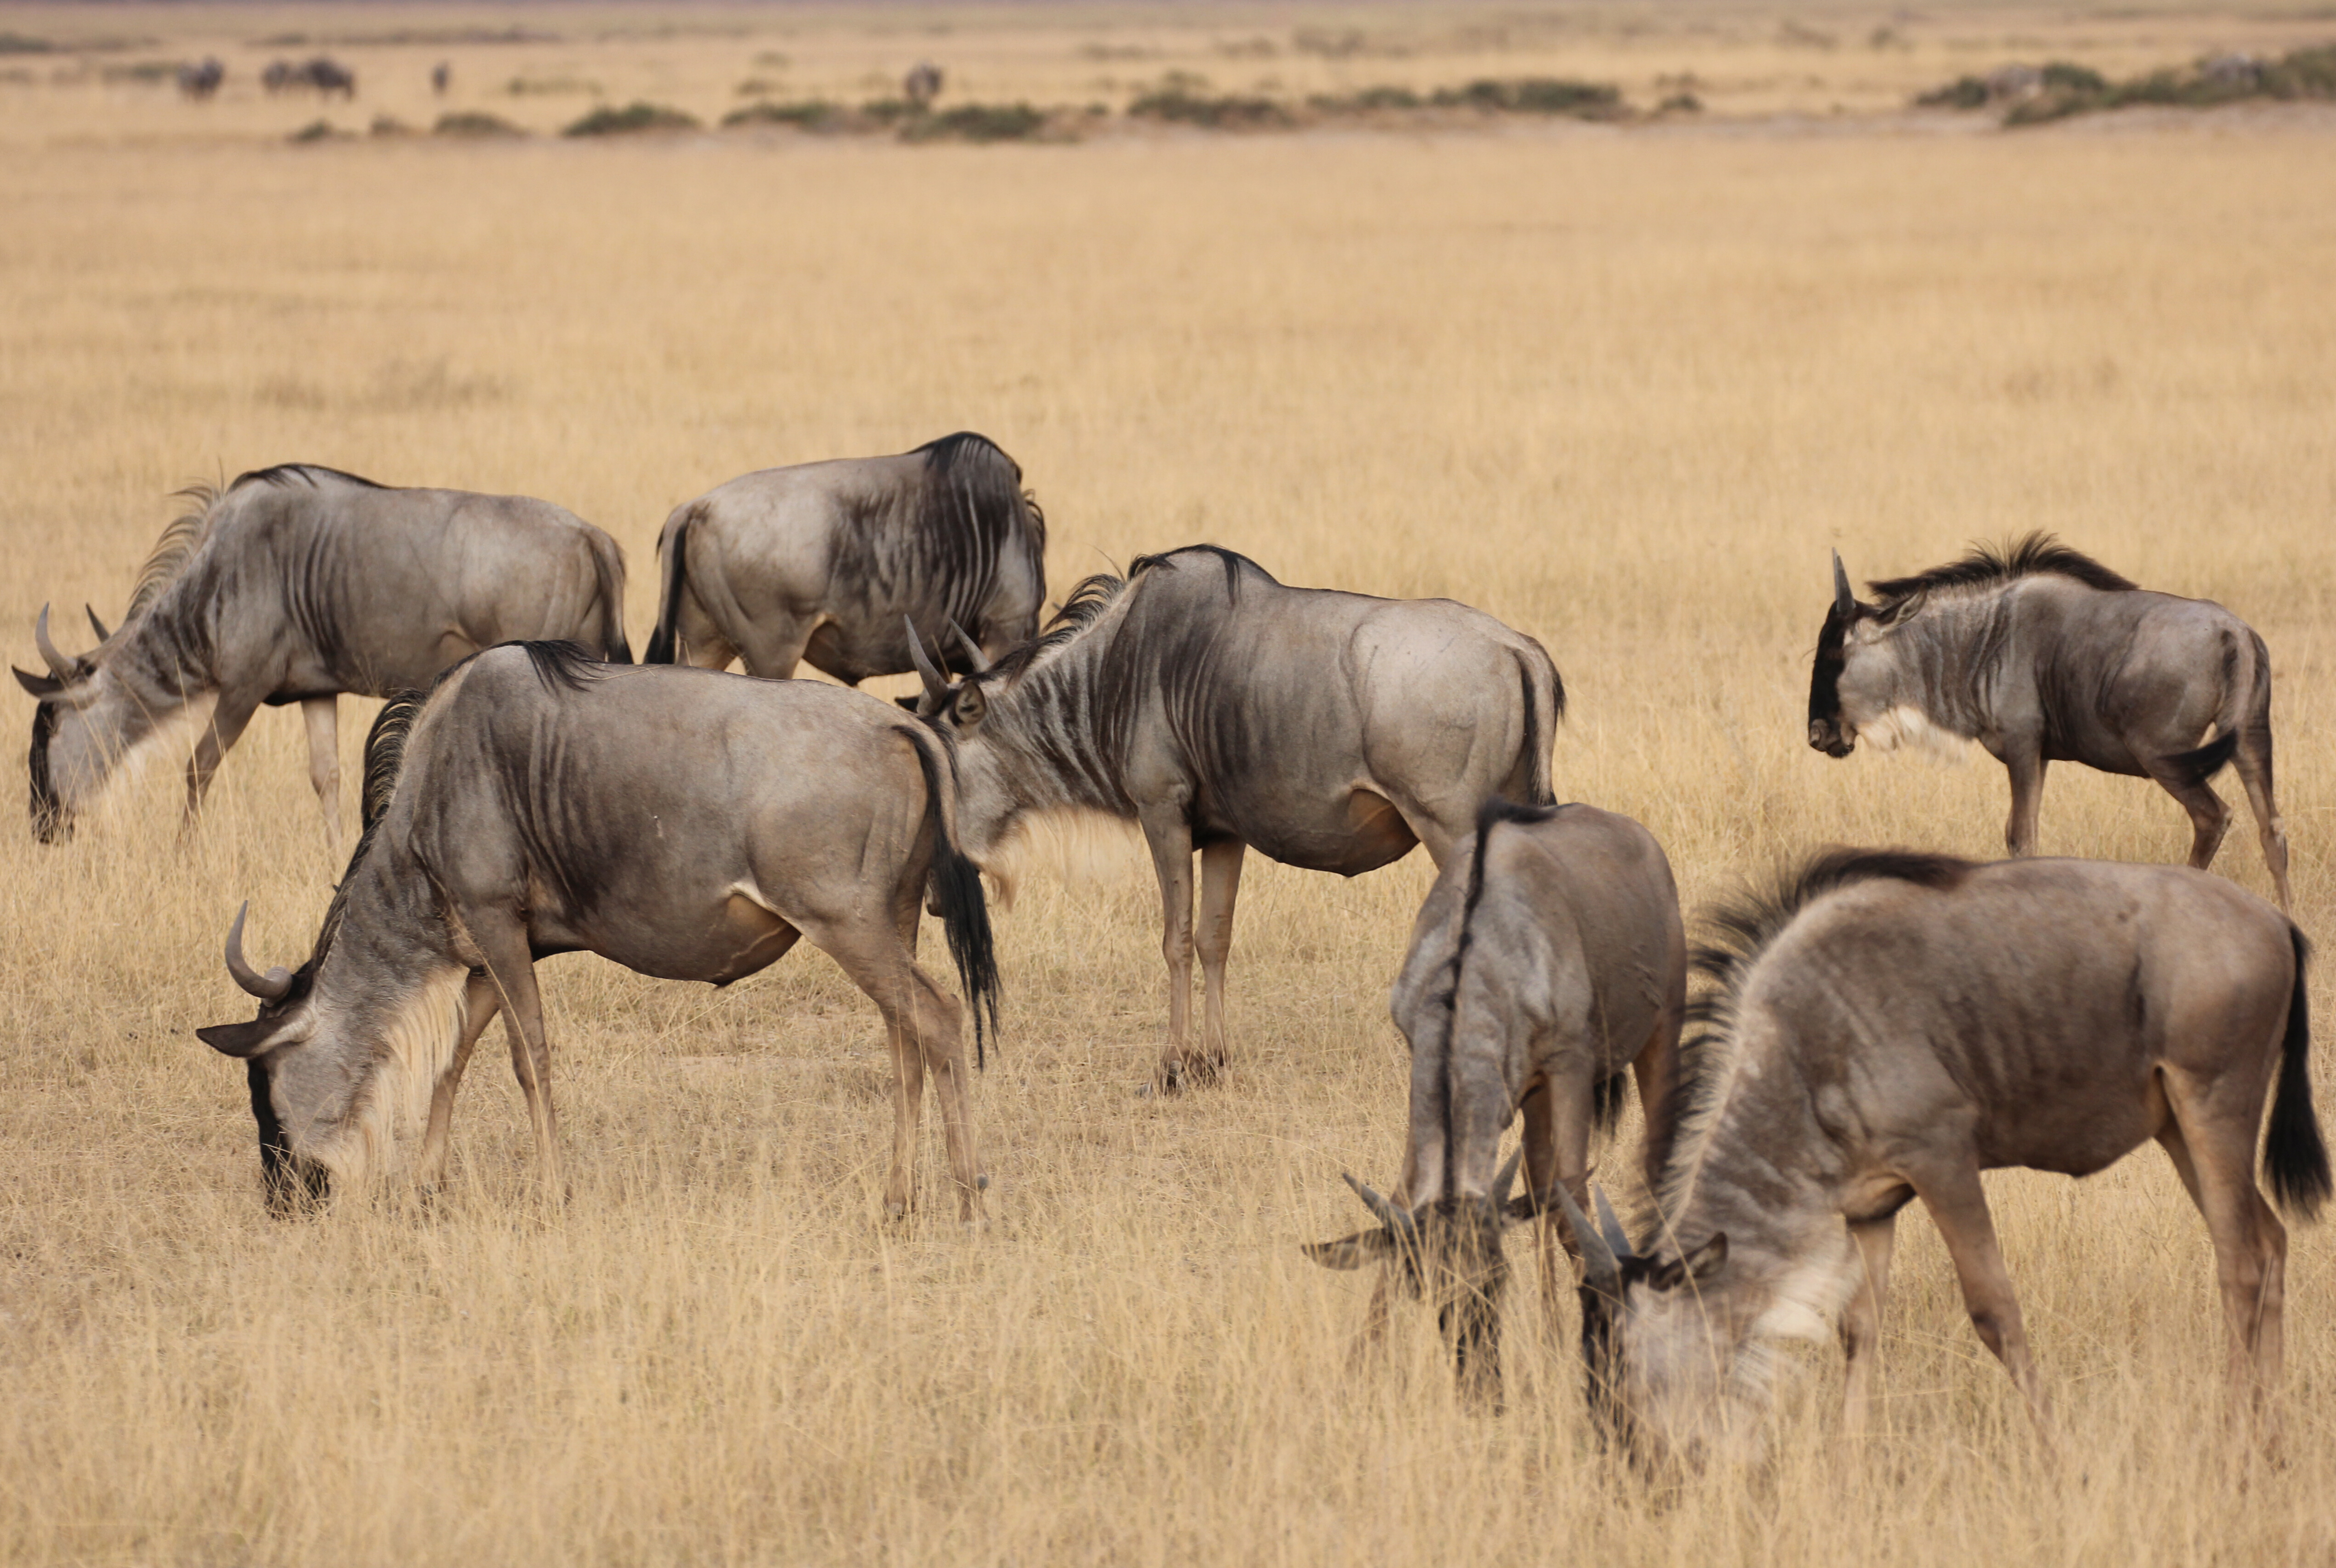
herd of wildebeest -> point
(1875, 1026)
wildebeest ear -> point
(909, 703)
(38, 684)
(243, 1040)
(1353, 1252)
(970, 706)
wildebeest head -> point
(1654, 1359)
(268, 1046)
(1448, 1254)
(71, 756)
(1852, 684)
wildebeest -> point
(294, 584)
(922, 85)
(202, 80)
(324, 73)
(1548, 961)
(680, 823)
(1887, 1025)
(1219, 710)
(442, 76)
(2043, 655)
(821, 561)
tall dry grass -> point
(1624, 390)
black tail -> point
(675, 563)
(2295, 1161)
(1538, 740)
(954, 883)
(2197, 766)
(608, 565)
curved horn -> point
(96, 625)
(1844, 601)
(1615, 1237)
(1600, 1267)
(269, 987)
(1507, 1178)
(59, 665)
(973, 654)
(1388, 1213)
(936, 686)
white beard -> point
(1908, 727)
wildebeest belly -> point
(714, 943)
(1361, 833)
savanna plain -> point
(1622, 385)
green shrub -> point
(632, 118)
(977, 123)
(1178, 107)
(1962, 92)
(1536, 95)
(1369, 99)
(315, 131)
(24, 44)
(810, 115)
(470, 122)
(2060, 76)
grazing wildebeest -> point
(1220, 709)
(922, 85)
(821, 561)
(680, 823)
(295, 584)
(1886, 1026)
(441, 77)
(324, 73)
(200, 82)
(2043, 655)
(1548, 961)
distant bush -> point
(471, 123)
(977, 123)
(1178, 107)
(144, 72)
(1365, 101)
(1536, 95)
(632, 119)
(315, 131)
(810, 115)
(1680, 103)
(389, 125)
(547, 86)
(24, 44)
(2060, 88)
(888, 111)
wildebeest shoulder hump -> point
(2036, 553)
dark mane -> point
(1234, 564)
(1089, 600)
(385, 759)
(173, 549)
(285, 474)
(2035, 553)
(1741, 930)
(943, 456)
(558, 665)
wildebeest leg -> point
(1657, 1071)
(2023, 755)
(511, 970)
(227, 725)
(2209, 817)
(1958, 1206)
(1220, 869)
(1557, 1149)
(2253, 760)
(1170, 840)
(926, 1030)
(480, 1002)
(1860, 1325)
(2215, 1157)
(320, 715)
(773, 650)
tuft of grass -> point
(631, 120)
(389, 125)
(473, 123)
(24, 44)
(140, 72)
(316, 130)
(2061, 89)
(977, 123)
(1368, 100)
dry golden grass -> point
(1623, 389)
